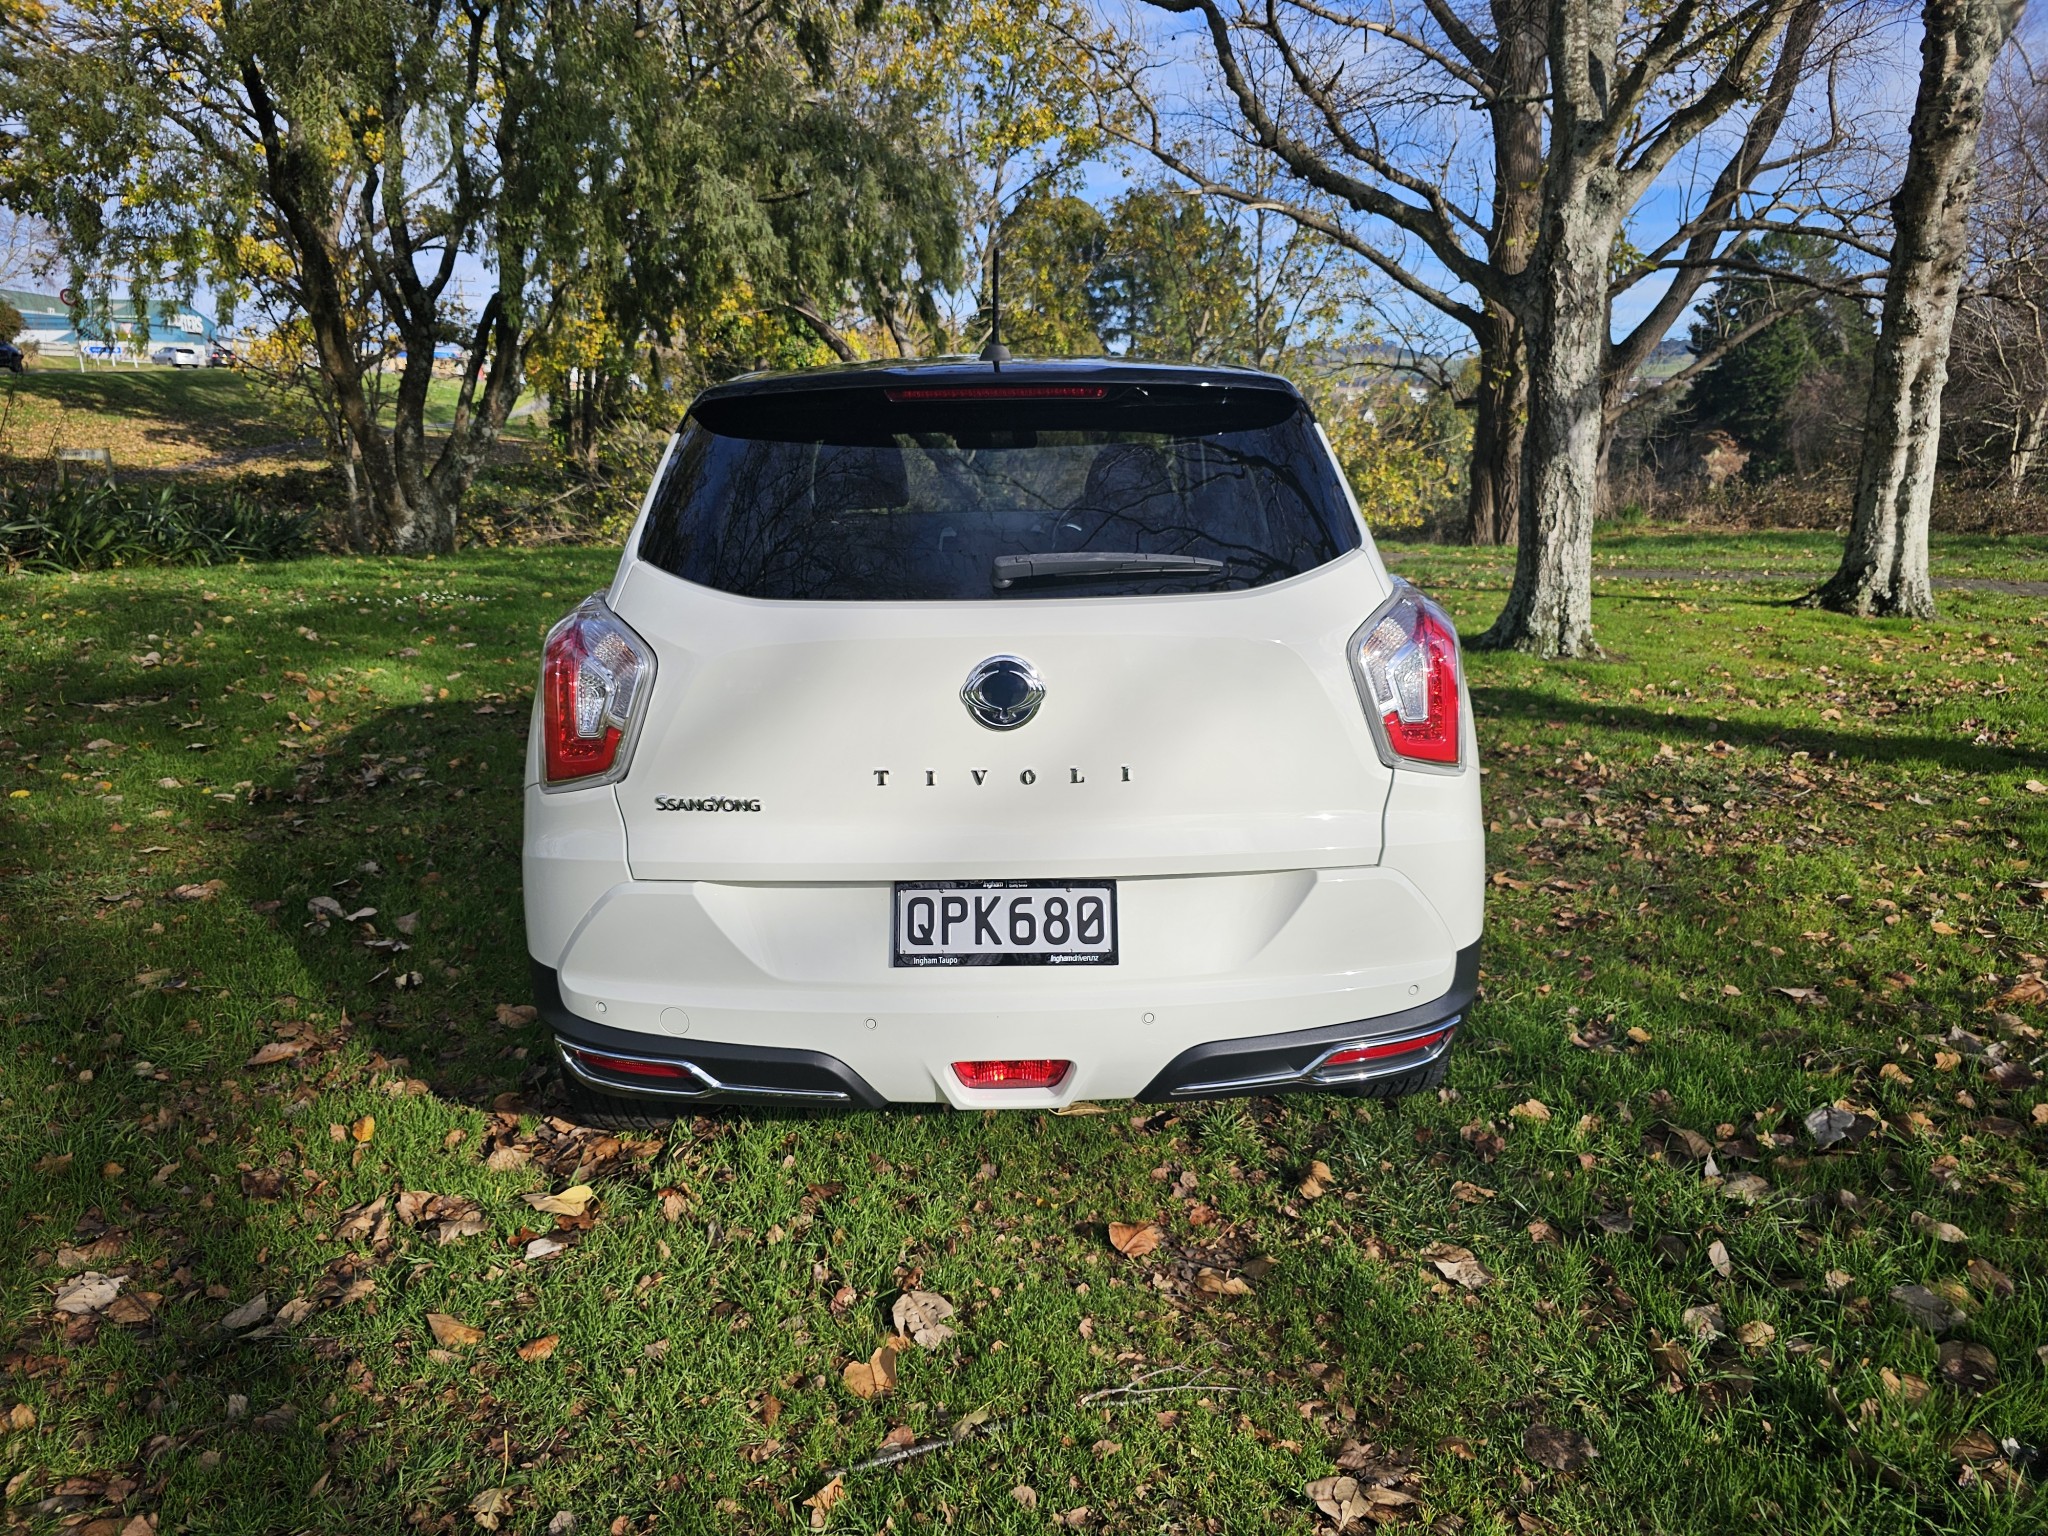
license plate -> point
(1005, 922)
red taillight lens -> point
(1011, 1074)
(1408, 670)
(627, 1066)
(1382, 1052)
(594, 674)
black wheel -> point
(611, 1112)
(1421, 1080)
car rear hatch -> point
(1177, 569)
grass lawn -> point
(1753, 864)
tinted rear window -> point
(852, 495)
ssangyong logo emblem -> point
(1003, 692)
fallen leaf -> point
(1704, 1322)
(1080, 1107)
(1970, 1369)
(1214, 1282)
(1134, 1239)
(1755, 1335)
(1543, 1232)
(899, 1437)
(570, 1202)
(1458, 1265)
(274, 1052)
(490, 1507)
(920, 1315)
(1989, 1278)
(1925, 1308)
(1805, 997)
(204, 891)
(1717, 1255)
(545, 1248)
(1315, 1181)
(1831, 1123)
(91, 1292)
(364, 1128)
(540, 1348)
(1531, 1109)
(1975, 1445)
(249, 1314)
(820, 1503)
(2036, 787)
(873, 1376)
(512, 1015)
(1745, 1187)
(1340, 1498)
(1909, 1389)
(1025, 1495)
(1561, 1450)
(1940, 1231)
(452, 1332)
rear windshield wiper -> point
(1008, 569)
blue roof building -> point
(47, 321)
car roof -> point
(969, 370)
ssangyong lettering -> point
(671, 803)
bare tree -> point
(1884, 562)
(1998, 360)
(1587, 107)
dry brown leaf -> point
(1748, 1188)
(1214, 1282)
(274, 1052)
(1940, 1231)
(1135, 1239)
(205, 890)
(1026, 1495)
(89, 1293)
(1989, 1278)
(899, 1437)
(491, 1507)
(1458, 1265)
(1755, 1335)
(920, 1316)
(820, 1503)
(540, 1348)
(1315, 1181)
(873, 1376)
(452, 1332)
(1969, 1368)
(1340, 1498)
(570, 1202)
(364, 1128)
(1717, 1255)
(1534, 1110)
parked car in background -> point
(179, 354)
(1001, 739)
(11, 359)
(219, 356)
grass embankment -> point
(205, 420)
(1755, 863)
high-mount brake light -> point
(595, 674)
(938, 393)
(1012, 1074)
(1405, 658)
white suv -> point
(1003, 738)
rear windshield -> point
(891, 494)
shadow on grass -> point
(1861, 746)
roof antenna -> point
(995, 354)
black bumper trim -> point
(1262, 1064)
(725, 1073)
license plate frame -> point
(904, 893)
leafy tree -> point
(11, 321)
(628, 160)
(1749, 390)
(1053, 250)
(1175, 281)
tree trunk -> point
(1549, 610)
(1499, 423)
(2020, 462)
(1884, 563)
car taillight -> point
(630, 1066)
(1351, 1056)
(595, 674)
(1011, 1074)
(1406, 662)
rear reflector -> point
(999, 392)
(1011, 1074)
(1383, 1051)
(627, 1066)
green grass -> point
(150, 418)
(1798, 556)
(1739, 798)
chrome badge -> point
(1003, 692)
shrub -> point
(84, 528)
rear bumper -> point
(618, 1061)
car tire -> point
(610, 1112)
(1422, 1080)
